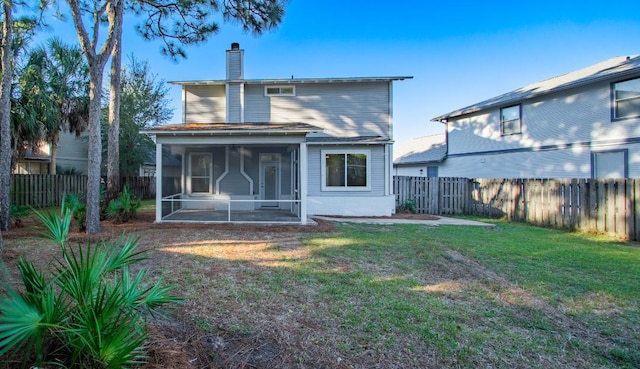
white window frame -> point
(615, 100)
(280, 90)
(323, 170)
(190, 190)
(519, 120)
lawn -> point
(389, 296)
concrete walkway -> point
(440, 221)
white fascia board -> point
(228, 140)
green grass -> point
(593, 280)
(395, 296)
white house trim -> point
(323, 171)
(303, 182)
(244, 174)
(158, 182)
(226, 170)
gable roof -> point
(426, 149)
(617, 67)
(292, 80)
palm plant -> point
(89, 313)
(78, 208)
(125, 206)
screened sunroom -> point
(231, 172)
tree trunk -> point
(97, 62)
(5, 116)
(54, 150)
(96, 71)
(113, 141)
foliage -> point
(68, 171)
(188, 22)
(56, 225)
(144, 103)
(18, 212)
(125, 206)
(407, 206)
(78, 208)
(89, 313)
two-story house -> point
(581, 124)
(276, 150)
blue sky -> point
(459, 52)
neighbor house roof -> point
(618, 67)
(232, 128)
(291, 80)
(426, 149)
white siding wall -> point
(205, 104)
(410, 170)
(341, 109)
(579, 115)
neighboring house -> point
(72, 154)
(288, 147)
(582, 124)
(420, 157)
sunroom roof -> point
(232, 128)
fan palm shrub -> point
(89, 312)
(78, 208)
(125, 206)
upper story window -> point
(279, 90)
(345, 170)
(510, 120)
(626, 99)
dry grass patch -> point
(362, 296)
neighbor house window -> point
(510, 120)
(609, 164)
(345, 170)
(626, 99)
(279, 90)
(201, 172)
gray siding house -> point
(276, 150)
(581, 124)
(420, 156)
(72, 153)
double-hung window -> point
(201, 173)
(346, 170)
(626, 99)
(510, 120)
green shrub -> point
(17, 213)
(124, 207)
(78, 209)
(408, 206)
(89, 313)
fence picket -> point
(595, 205)
(42, 190)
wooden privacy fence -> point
(610, 206)
(437, 195)
(42, 190)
